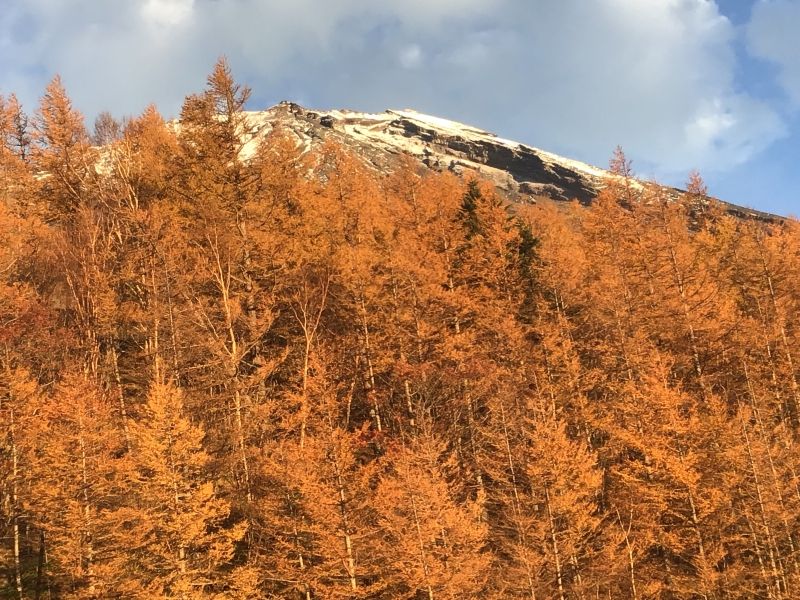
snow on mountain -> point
(521, 172)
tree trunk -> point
(421, 542)
(223, 277)
(772, 549)
(123, 409)
(554, 542)
(348, 544)
(181, 555)
(371, 393)
(631, 561)
(40, 567)
(516, 506)
(14, 503)
(87, 508)
(470, 410)
(757, 551)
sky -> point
(679, 84)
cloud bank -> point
(772, 36)
(573, 76)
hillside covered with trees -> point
(293, 377)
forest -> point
(294, 377)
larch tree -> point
(17, 406)
(433, 544)
(176, 531)
(317, 513)
(75, 485)
(231, 218)
(61, 150)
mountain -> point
(521, 172)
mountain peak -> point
(521, 172)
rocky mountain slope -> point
(521, 172)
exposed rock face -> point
(522, 173)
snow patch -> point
(376, 130)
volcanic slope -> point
(521, 172)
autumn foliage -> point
(292, 376)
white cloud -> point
(735, 127)
(772, 35)
(411, 56)
(656, 77)
(573, 76)
(167, 12)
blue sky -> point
(680, 84)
